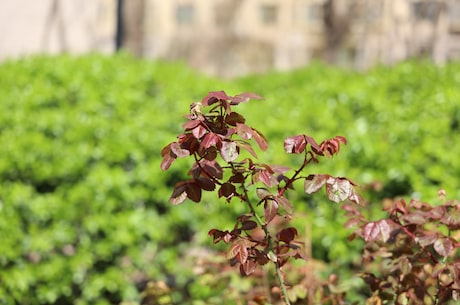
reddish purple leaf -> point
(199, 131)
(188, 142)
(248, 267)
(452, 218)
(356, 198)
(285, 204)
(443, 246)
(352, 222)
(314, 183)
(168, 157)
(279, 169)
(416, 217)
(287, 235)
(248, 133)
(227, 190)
(239, 251)
(245, 97)
(376, 230)
(295, 144)
(267, 178)
(260, 139)
(312, 143)
(331, 147)
(244, 131)
(220, 235)
(189, 125)
(262, 193)
(213, 97)
(210, 139)
(237, 178)
(212, 169)
(206, 184)
(179, 194)
(229, 151)
(270, 210)
(247, 147)
(249, 225)
(193, 192)
(427, 239)
(178, 151)
(233, 118)
(341, 139)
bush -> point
(83, 203)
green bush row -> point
(84, 216)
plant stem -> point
(270, 246)
(282, 285)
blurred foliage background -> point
(84, 212)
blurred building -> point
(55, 26)
(236, 37)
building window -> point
(454, 16)
(314, 13)
(426, 10)
(454, 11)
(268, 14)
(184, 14)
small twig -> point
(270, 245)
(282, 284)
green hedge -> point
(84, 217)
(83, 202)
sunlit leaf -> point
(244, 131)
(267, 178)
(179, 194)
(338, 189)
(168, 157)
(314, 183)
(245, 97)
(295, 144)
(191, 124)
(178, 151)
(285, 204)
(443, 246)
(212, 168)
(356, 197)
(239, 251)
(376, 230)
(260, 139)
(248, 267)
(229, 151)
(213, 97)
(210, 139)
(199, 131)
(262, 193)
(247, 147)
(270, 210)
(219, 235)
(426, 239)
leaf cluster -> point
(412, 251)
(214, 129)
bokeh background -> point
(91, 90)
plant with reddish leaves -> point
(410, 255)
(215, 136)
